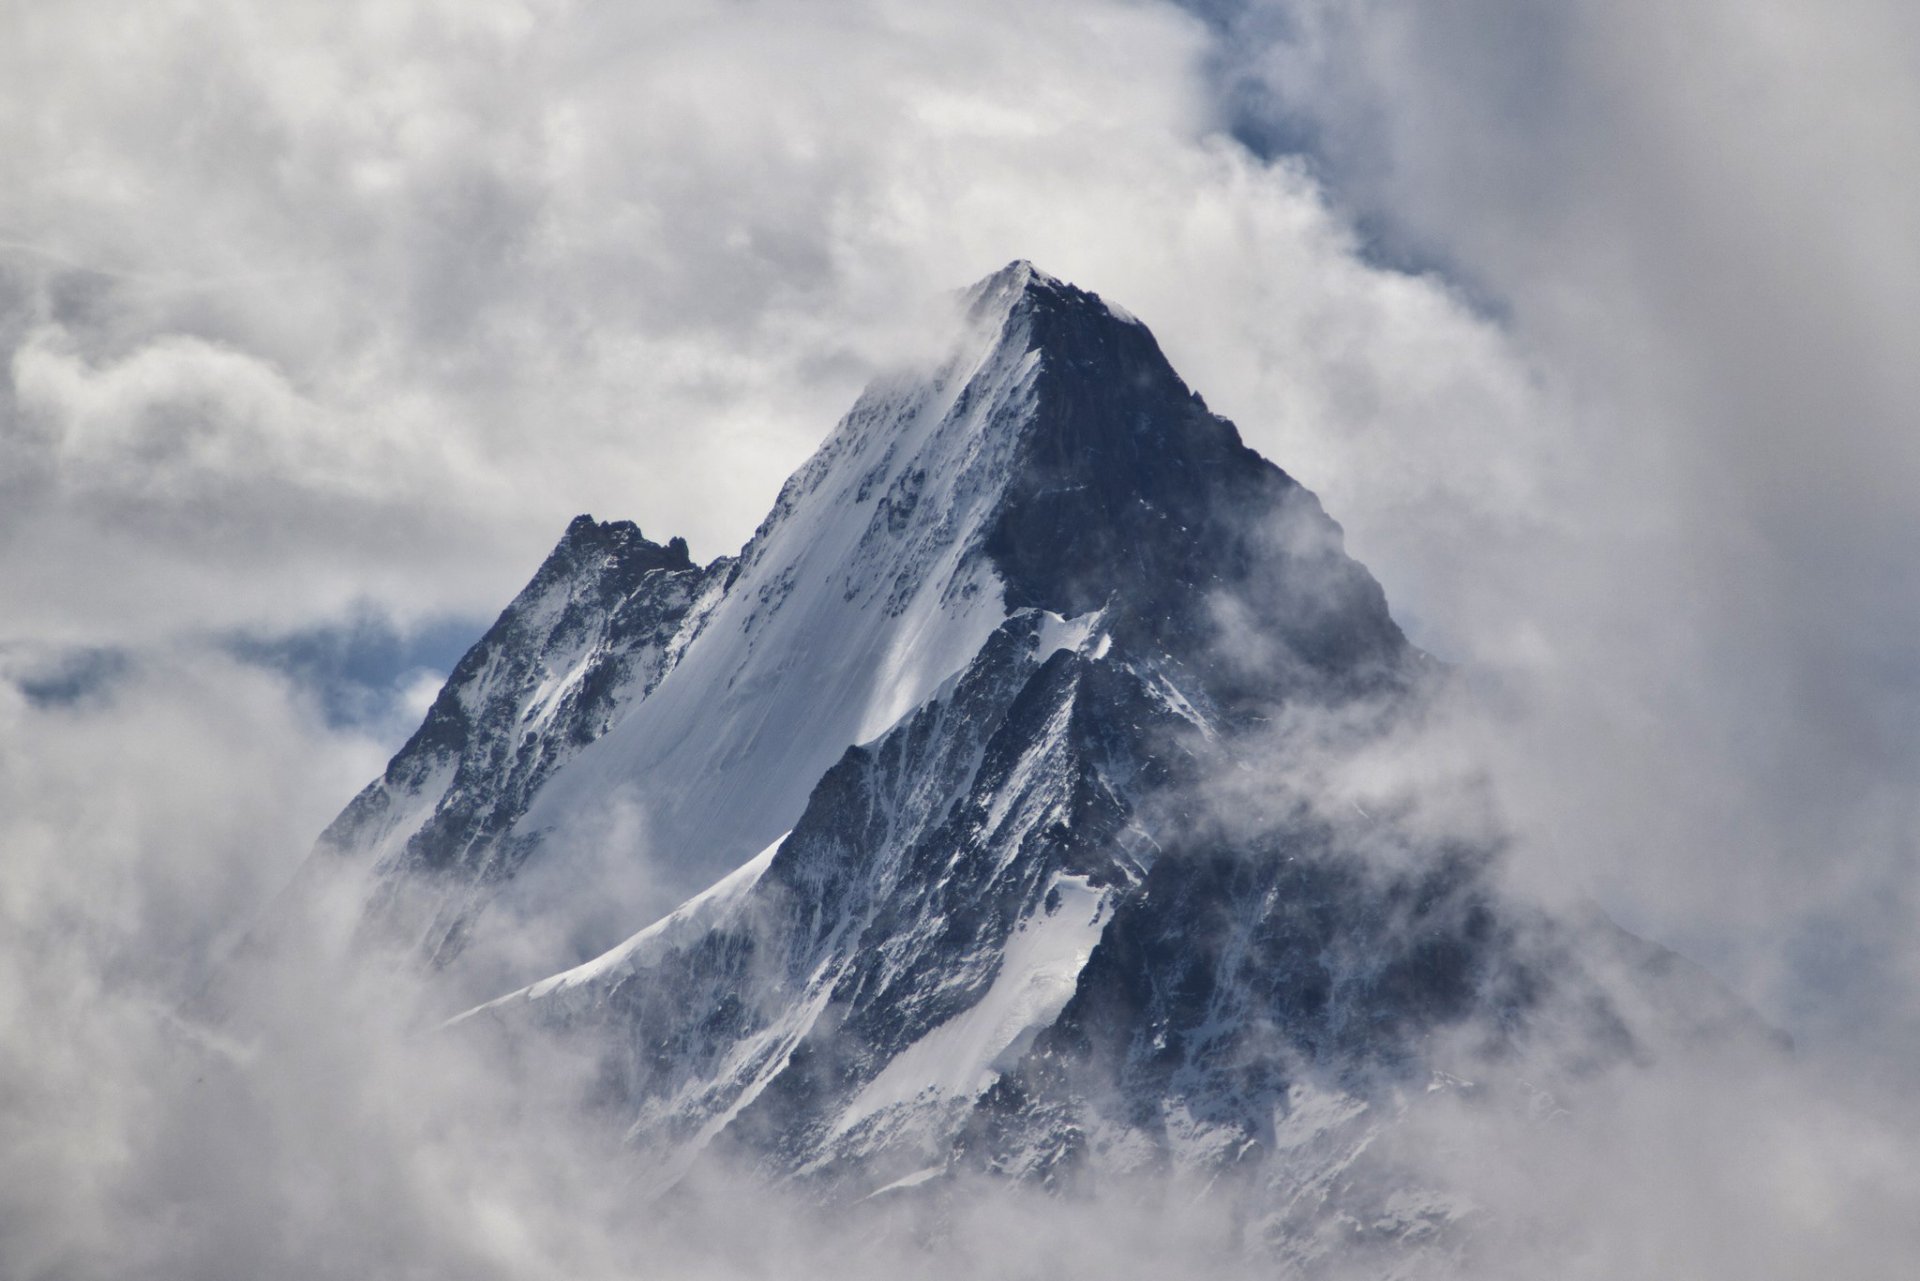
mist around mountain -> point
(1169, 930)
(1081, 873)
(320, 320)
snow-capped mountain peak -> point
(887, 849)
(1051, 460)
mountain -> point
(997, 760)
(628, 698)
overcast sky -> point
(1594, 322)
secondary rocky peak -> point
(622, 542)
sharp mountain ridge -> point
(922, 794)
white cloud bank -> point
(374, 297)
(1697, 216)
(312, 308)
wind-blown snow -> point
(695, 917)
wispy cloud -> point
(333, 308)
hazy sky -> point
(1594, 322)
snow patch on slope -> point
(699, 915)
(1038, 972)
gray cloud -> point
(365, 302)
(1702, 588)
(332, 309)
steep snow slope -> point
(862, 591)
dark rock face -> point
(606, 601)
(1234, 973)
(1011, 931)
(1130, 492)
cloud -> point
(374, 297)
(1682, 552)
(1588, 321)
(339, 313)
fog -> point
(1588, 322)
